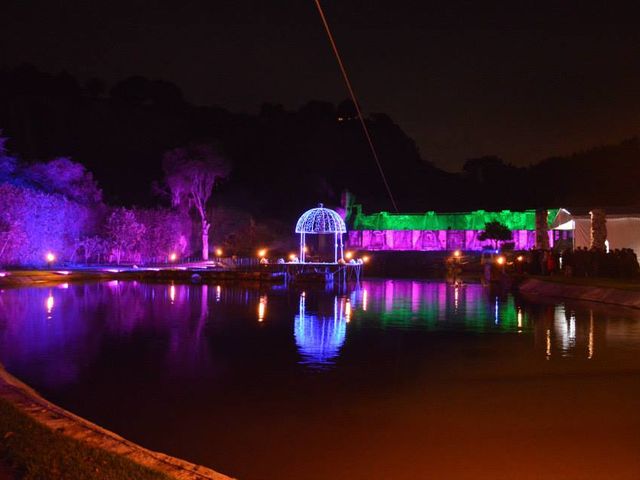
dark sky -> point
(522, 80)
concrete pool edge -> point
(608, 295)
(56, 418)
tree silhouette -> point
(191, 174)
(495, 231)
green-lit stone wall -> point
(524, 220)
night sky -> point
(522, 80)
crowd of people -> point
(583, 262)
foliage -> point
(92, 248)
(166, 232)
(124, 234)
(191, 173)
(34, 223)
(65, 177)
(495, 231)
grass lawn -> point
(592, 282)
(37, 453)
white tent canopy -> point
(623, 230)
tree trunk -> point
(205, 239)
(598, 229)
(542, 227)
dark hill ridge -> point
(283, 161)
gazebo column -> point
(302, 245)
(341, 247)
(335, 247)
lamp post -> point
(50, 257)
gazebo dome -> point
(319, 221)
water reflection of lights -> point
(456, 296)
(590, 344)
(172, 293)
(320, 337)
(49, 305)
(364, 299)
(347, 311)
(218, 293)
(548, 344)
(262, 308)
(565, 328)
(519, 317)
(495, 314)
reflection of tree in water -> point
(174, 314)
(50, 331)
(56, 331)
(188, 352)
(319, 336)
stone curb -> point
(31, 403)
(613, 296)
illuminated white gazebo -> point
(321, 221)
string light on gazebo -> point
(321, 221)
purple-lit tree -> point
(191, 174)
(35, 222)
(65, 177)
(124, 233)
(92, 247)
(7, 162)
(166, 232)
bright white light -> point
(173, 257)
(570, 225)
(262, 252)
(262, 308)
(457, 253)
(49, 304)
(50, 257)
(606, 246)
(347, 311)
(218, 292)
(364, 299)
(172, 293)
(218, 252)
(500, 260)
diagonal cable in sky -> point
(356, 103)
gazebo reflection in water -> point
(320, 334)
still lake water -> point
(395, 380)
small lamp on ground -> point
(173, 257)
